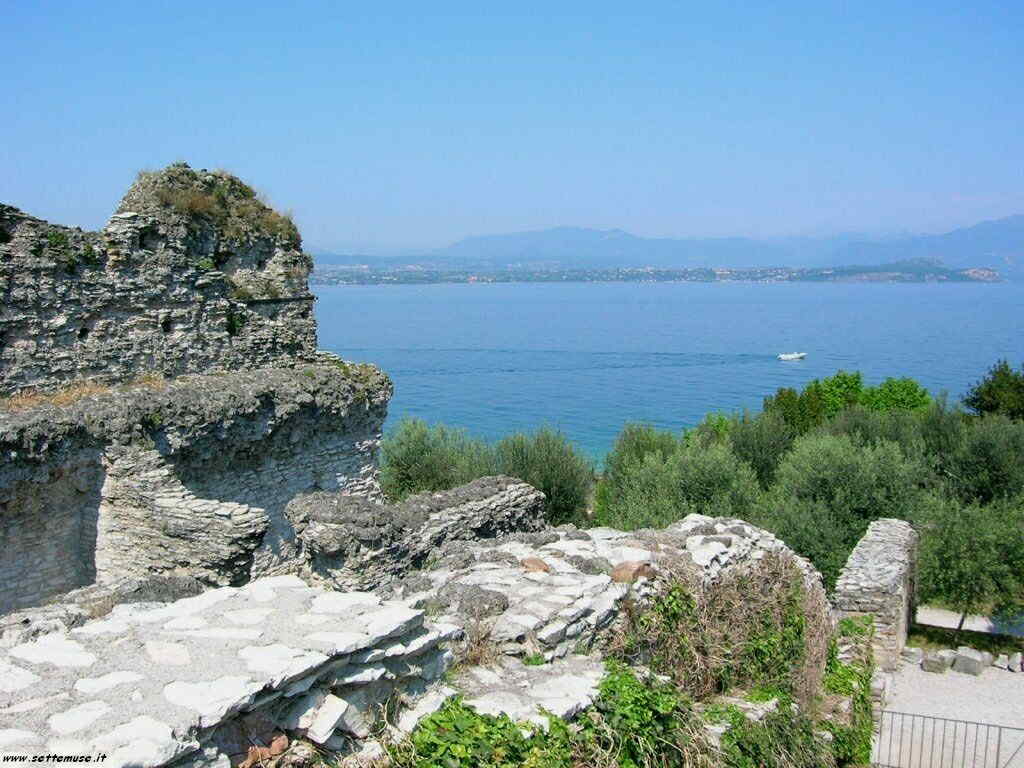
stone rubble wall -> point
(353, 543)
(879, 580)
(191, 274)
(192, 478)
(197, 681)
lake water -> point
(588, 357)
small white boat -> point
(792, 356)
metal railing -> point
(905, 740)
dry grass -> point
(478, 649)
(33, 398)
(192, 202)
(731, 633)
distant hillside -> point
(993, 244)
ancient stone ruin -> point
(197, 566)
(193, 273)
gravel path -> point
(996, 697)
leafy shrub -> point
(712, 480)
(761, 441)
(457, 736)
(828, 489)
(753, 628)
(988, 463)
(417, 457)
(658, 489)
(550, 463)
(1000, 391)
(851, 742)
(634, 442)
(780, 740)
(972, 557)
(896, 395)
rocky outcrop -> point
(192, 273)
(353, 543)
(183, 478)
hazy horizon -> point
(400, 129)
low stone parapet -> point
(878, 580)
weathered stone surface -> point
(534, 565)
(1014, 662)
(129, 702)
(878, 580)
(938, 661)
(912, 655)
(630, 571)
(185, 484)
(969, 661)
(355, 544)
(192, 273)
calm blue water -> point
(587, 357)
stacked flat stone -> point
(192, 477)
(164, 287)
(554, 591)
(878, 581)
(154, 685)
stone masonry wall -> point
(879, 580)
(190, 478)
(192, 273)
(277, 664)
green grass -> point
(937, 638)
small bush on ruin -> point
(417, 457)
(750, 628)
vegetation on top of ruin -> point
(217, 197)
(680, 669)
(75, 392)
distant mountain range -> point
(995, 244)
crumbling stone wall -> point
(192, 273)
(879, 580)
(191, 477)
(48, 538)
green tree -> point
(972, 557)
(417, 457)
(550, 463)
(988, 462)
(828, 488)
(761, 441)
(896, 395)
(633, 443)
(1000, 391)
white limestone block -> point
(248, 616)
(341, 642)
(352, 603)
(280, 661)
(171, 654)
(329, 714)
(78, 717)
(141, 741)
(213, 699)
(91, 685)
(14, 678)
(12, 737)
(54, 649)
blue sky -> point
(415, 124)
